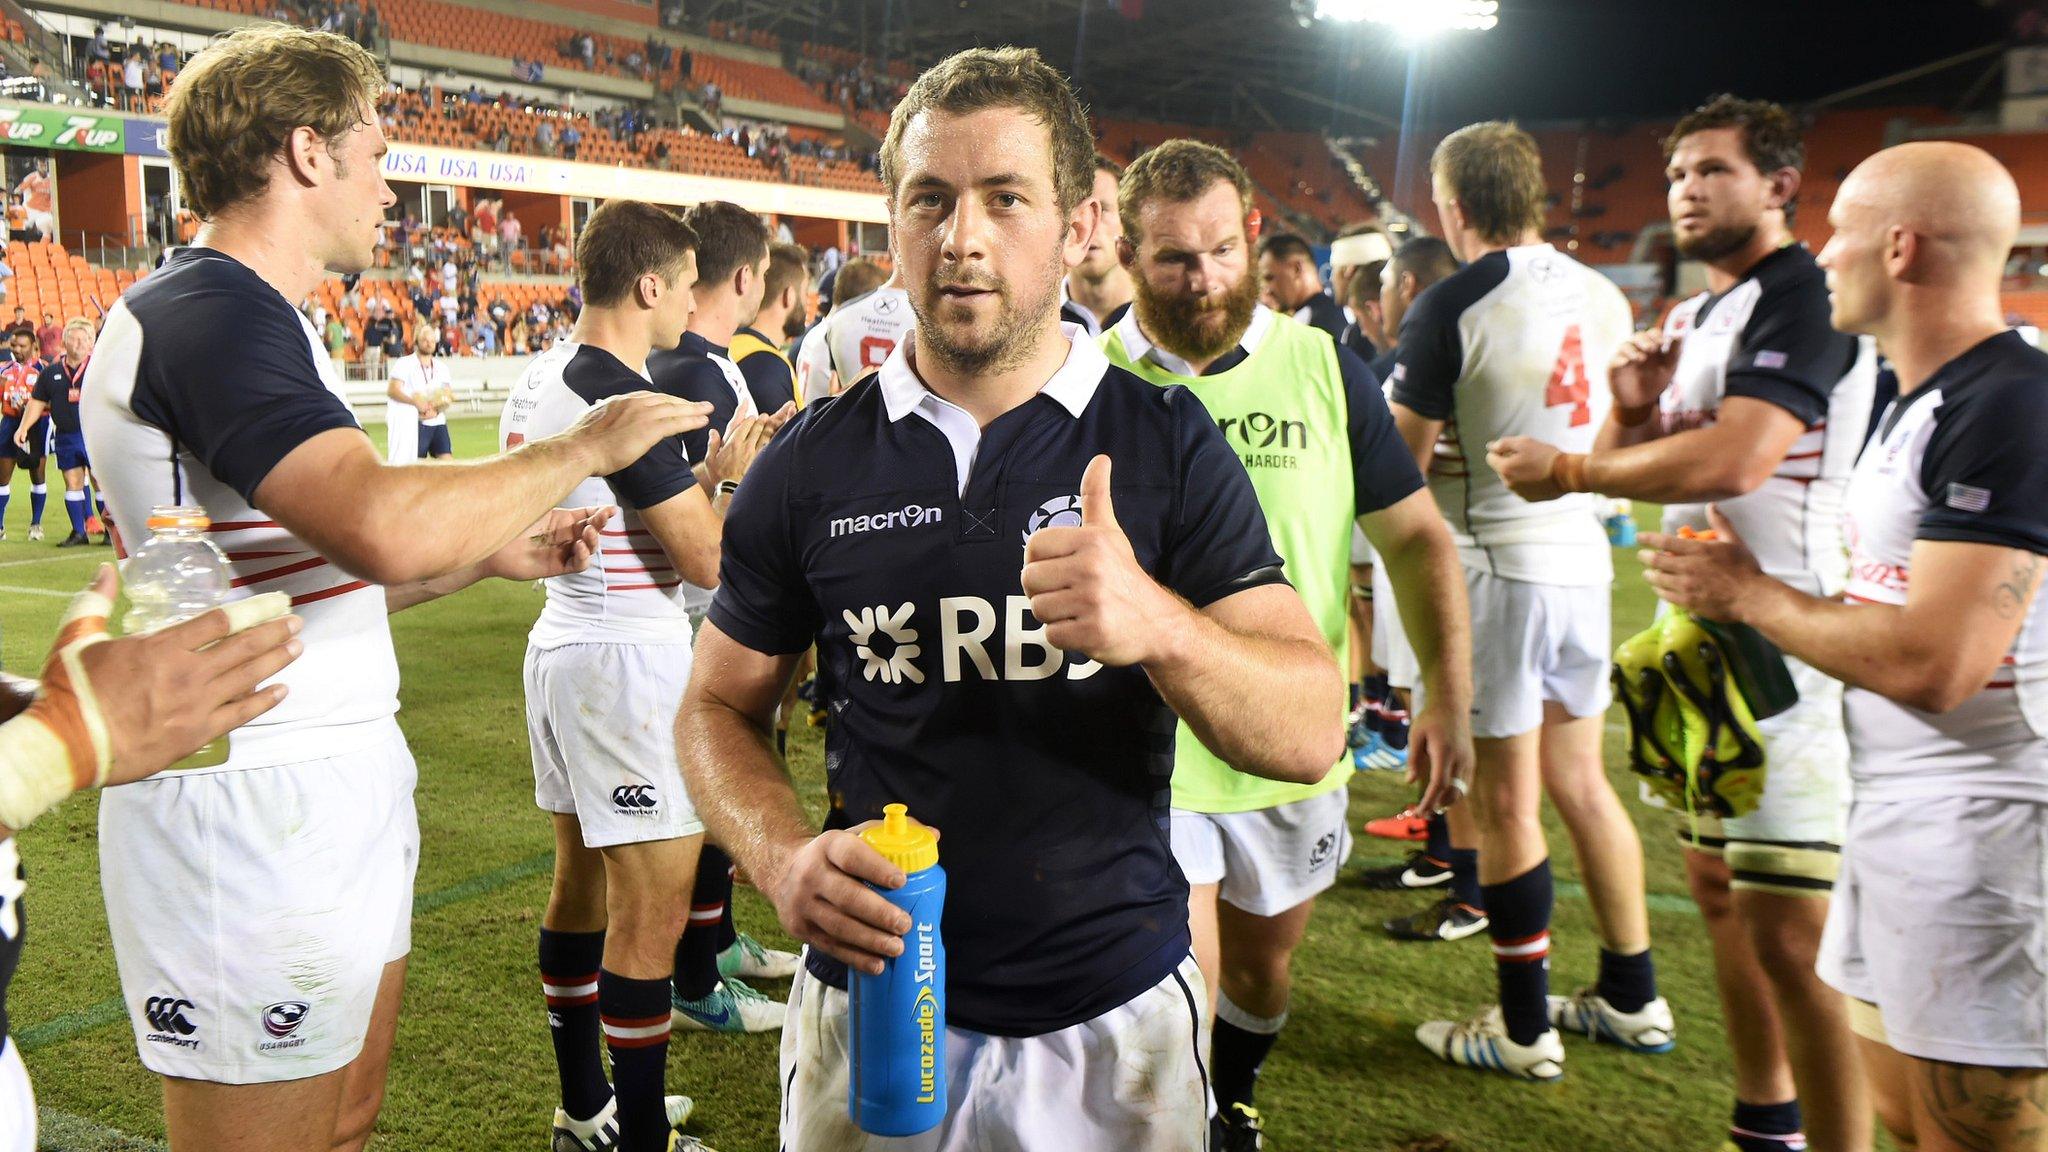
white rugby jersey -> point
(1769, 338)
(423, 376)
(1964, 457)
(203, 380)
(631, 593)
(853, 340)
(1515, 343)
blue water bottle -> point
(896, 1025)
(1621, 524)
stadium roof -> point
(1253, 63)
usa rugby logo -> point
(281, 1020)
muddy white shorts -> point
(1269, 860)
(1533, 643)
(253, 912)
(601, 719)
(1133, 1079)
(1940, 919)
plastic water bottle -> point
(896, 1083)
(175, 575)
(1620, 522)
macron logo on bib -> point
(909, 516)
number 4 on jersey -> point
(1568, 382)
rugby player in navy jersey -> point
(56, 393)
(1935, 931)
(1013, 622)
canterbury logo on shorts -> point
(633, 797)
(167, 1014)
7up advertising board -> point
(37, 127)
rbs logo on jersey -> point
(890, 645)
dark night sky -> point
(1585, 58)
(1548, 59)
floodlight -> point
(1414, 19)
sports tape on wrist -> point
(61, 743)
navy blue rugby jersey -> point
(697, 369)
(889, 529)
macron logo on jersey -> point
(909, 516)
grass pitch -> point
(474, 1070)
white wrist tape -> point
(61, 743)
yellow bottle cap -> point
(902, 841)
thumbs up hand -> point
(1085, 584)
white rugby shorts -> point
(1533, 643)
(17, 1102)
(1362, 553)
(1940, 919)
(1791, 842)
(1131, 1080)
(253, 912)
(601, 719)
(1390, 647)
(1269, 860)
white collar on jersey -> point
(1073, 385)
(1093, 322)
(1141, 347)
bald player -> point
(1936, 931)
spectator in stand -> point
(97, 82)
(509, 234)
(516, 336)
(101, 50)
(34, 191)
(449, 307)
(337, 339)
(544, 137)
(50, 337)
(572, 138)
(379, 332)
(484, 227)
(131, 79)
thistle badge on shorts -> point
(1320, 854)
